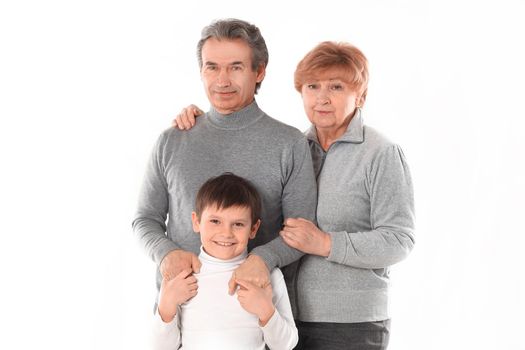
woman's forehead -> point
(332, 74)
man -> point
(234, 136)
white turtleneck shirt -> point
(213, 319)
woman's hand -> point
(303, 235)
(185, 120)
(256, 300)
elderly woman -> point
(365, 212)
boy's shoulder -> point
(276, 277)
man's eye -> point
(236, 68)
(239, 224)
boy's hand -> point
(178, 260)
(256, 300)
(253, 270)
(185, 120)
(174, 292)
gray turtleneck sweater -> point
(274, 156)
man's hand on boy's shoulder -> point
(253, 270)
(178, 260)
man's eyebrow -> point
(237, 62)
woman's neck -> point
(327, 136)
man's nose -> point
(223, 79)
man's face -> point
(225, 232)
(227, 74)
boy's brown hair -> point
(229, 190)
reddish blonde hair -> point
(331, 56)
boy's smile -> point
(225, 232)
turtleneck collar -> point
(354, 132)
(210, 260)
(236, 120)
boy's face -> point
(225, 232)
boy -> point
(227, 216)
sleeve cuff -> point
(338, 249)
(167, 247)
(269, 259)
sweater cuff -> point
(338, 249)
(163, 250)
(271, 260)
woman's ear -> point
(195, 222)
(254, 229)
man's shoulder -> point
(278, 128)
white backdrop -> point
(87, 86)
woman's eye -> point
(337, 87)
(311, 86)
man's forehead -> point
(226, 51)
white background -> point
(87, 86)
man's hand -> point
(174, 292)
(185, 120)
(256, 300)
(303, 235)
(253, 270)
(176, 261)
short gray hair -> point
(232, 29)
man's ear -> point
(254, 229)
(261, 73)
(195, 222)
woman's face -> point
(329, 102)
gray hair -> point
(231, 29)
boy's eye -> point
(214, 221)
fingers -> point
(297, 222)
(195, 264)
(291, 222)
(196, 110)
(184, 273)
(185, 120)
(232, 285)
(289, 239)
(245, 284)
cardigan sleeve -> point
(391, 238)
